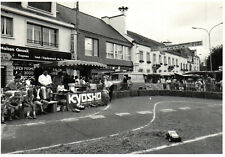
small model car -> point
(172, 136)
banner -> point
(83, 98)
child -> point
(29, 105)
(15, 105)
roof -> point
(88, 23)
(139, 39)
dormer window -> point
(44, 6)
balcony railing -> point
(42, 43)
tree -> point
(217, 58)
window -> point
(181, 66)
(42, 36)
(169, 61)
(91, 47)
(119, 52)
(160, 59)
(165, 62)
(127, 53)
(140, 70)
(148, 56)
(141, 56)
(172, 61)
(45, 6)
(6, 26)
(109, 51)
(176, 61)
(115, 51)
(154, 58)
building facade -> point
(98, 41)
(30, 34)
(148, 58)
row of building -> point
(36, 32)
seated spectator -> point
(15, 84)
(38, 101)
(15, 106)
(28, 104)
(46, 83)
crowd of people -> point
(23, 97)
(194, 84)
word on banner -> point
(82, 98)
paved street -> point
(190, 117)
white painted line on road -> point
(177, 144)
(138, 128)
(144, 112)
(37, 123)
(167, 110)
(57, 145)
(96, 116)
(69, 120)
(122, 114)
(106, 108)
(184, 108)
(114, 135)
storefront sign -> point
(25, 68)
(78, 99)
(13, 49)
(24, 53)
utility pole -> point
(77, 30)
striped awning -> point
(72, 64)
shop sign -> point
(25, 68)
(83, 98)
(13, 49)
(24, 53)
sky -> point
(164, 20)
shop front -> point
(17, 59)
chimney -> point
(118, 22)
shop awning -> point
(72, 64)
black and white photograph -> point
(112, 77)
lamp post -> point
(209, 34)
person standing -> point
(46, 81)
(124, 82)
(58, 81)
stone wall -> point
(206, 95)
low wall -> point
(194, 94)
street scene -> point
(94, 77)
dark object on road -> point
(172, 136)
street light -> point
(208, 32)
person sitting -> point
(46, 81)
(15, 84)
(38, 101)
(4, 106)
(29, 105)
(15, 106)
